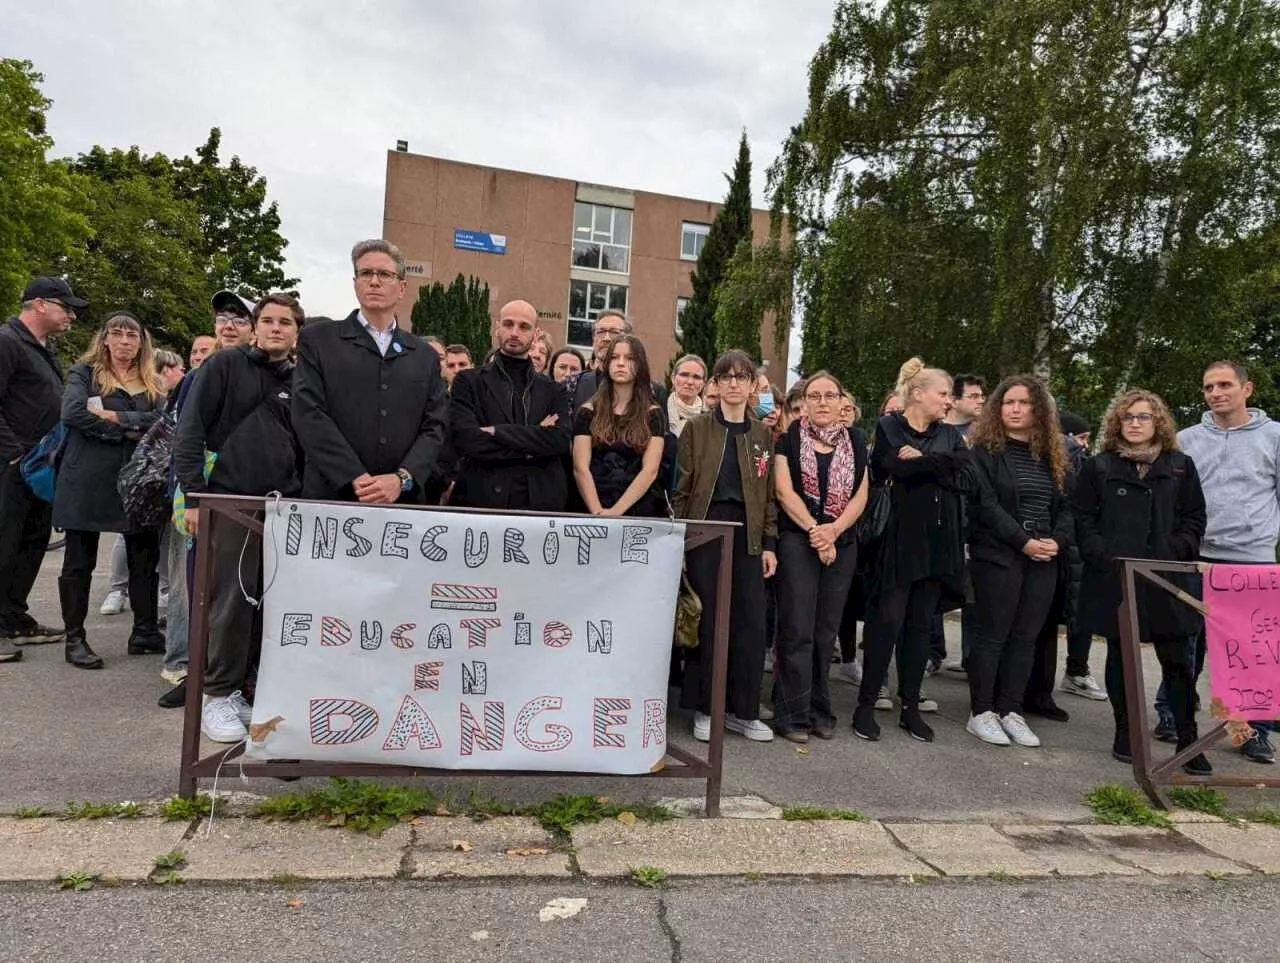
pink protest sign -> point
(1242, 628)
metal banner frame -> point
(1149, 774)
(219, 510)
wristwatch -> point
(406, 480)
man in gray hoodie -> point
(1236, 450)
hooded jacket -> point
(1240, 473)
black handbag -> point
(875, 518)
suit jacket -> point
(356, 411)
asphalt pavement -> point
(69, 734)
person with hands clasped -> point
(919, 566)
(725, 473)
(1019, 534)
(820, 467)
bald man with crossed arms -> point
(510, 425)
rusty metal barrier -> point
(244, 511)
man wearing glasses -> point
(968, 395)
(582, 388)
(30, 402)
(369, 402)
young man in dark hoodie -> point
(239, 410)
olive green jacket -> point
(699, 453)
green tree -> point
(731, 226)
(757, 282)
(40, 215)
(241, 245)
(458, 314)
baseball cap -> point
(225, 300)
(52, 289)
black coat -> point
(1119, 515)
(30, 390)
(356, 411)
(995, 534)
(85, 498)
(519, 451)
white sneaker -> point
(244, 711)
(1019, 731)
(926, 704)
(162, 602)
(701, 727)
(986, 726)
(114, 603)
(220, 721)
(883, 702)
(1085, 686)
(850, 672)
(173, 676)
(753, 729)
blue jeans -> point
(175, 636)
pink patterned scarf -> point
(843, 465)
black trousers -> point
(1078, 644)
(811, 599)
(903, 618)
(142, 554)
(235, 626)
(1010, 607)
(25, 524)
(1175, 666)
(746, 622)
(1044, 667)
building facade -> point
(571, 249)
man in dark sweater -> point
(30, 401)
(510, 425)
(239, 410)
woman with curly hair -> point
(1140, 497)
(1018, 538)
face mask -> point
(764, 406)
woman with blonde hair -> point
(111, 398)
(1140, 497)
(688, 377)
(540, 352)
(920, 560)
(1018, 540)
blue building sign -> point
(480, 241)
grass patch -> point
(359, 806)
(77, 882)
(177, 809)
(91, 810)
(1002, 876)
(1201, 799)
(170, 877)
(30, 812)
(649, 876)
(796, 813)
(562, 813)
(1116, 805)
(1262, 814)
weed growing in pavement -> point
(561, 814)
(753, 876)
(174, 859)
(90, 810)
(1216, 875)
(817, 812)
(1117, 805)
(649, 876)
(286, 879)
(1261, 815)
(360, 806)
(78, 882)
(169, 877)
(30, 812)
(1201, 799)
(177, 809)
(1002, 876)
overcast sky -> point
(648, 96)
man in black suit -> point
(369, 404)
(510, 425)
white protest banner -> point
(465, 641)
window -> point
(586, 300)
(601, 237)
(692, 238)
(681, 304)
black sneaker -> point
(28, 631)
(1046, 708)
(175, 698)
(1197, 766)
(1165, 730)
(1259, 748)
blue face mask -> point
(764, 406)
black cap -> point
(1072, 424)
(52, 289)
(223, 300)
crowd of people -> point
(946, 500)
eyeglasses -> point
(974, 396)
(125, 334)
(610, 332)
(235, 319)
(829, 397)
(368, 274)
(741, 377)
(691, 375)
(1137, 418)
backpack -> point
(39, 466)
(143, 483)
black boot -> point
(914, 724)
(74, 596)
(864, 723)
(1197, 765)
(144, 592)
